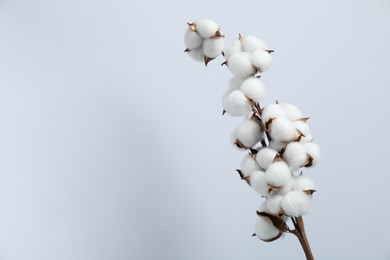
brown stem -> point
(299, 231)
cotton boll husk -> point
(253, 88)
(213, 47)
(248, 133)
(278, 174)
(236, 104)
(292, 112)
(258, 182)
(296, 203)
(274, 204)
(282, 130)
(295, 155)
(252, 43)
(206, 28)
(277, 146)
(192, 40)
(265, 157)
(313, 150)
(265, 230)
(240, 64)
(232, 48)
(197, 54)
(262, 60)
(248, 165)
(304, 183)
(272, 111)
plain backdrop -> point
(113, 147)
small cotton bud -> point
(282, 130)
(313, 150)
(265, 157)
(292, 112)
(233, 48)
(295, 155)
(304, 183)
(248, 166)
(274, 204)
(265, 229)
(262, 60)
(249, 133)
(272, 111)
(278, 174)
(253, 88)
(277, 146)
(237, 104)
(197, 54)
(192, 40)
(258, 182)
(240, 64)
(252, 43)
(213, 47)
(296, 203)
(207, 28)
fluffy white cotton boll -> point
(253, 88)
(274, 204)
(278, 174)
(258, 182)
(248, 166)
(235, 82)
(252, 43)
(265, 229)
(206, 28)
(304, 183)
(265, 157)
(306, 139)
(213, 47)
(262, 60)
(232, 48)
(313, 150)
(237, 104)
(248, 133)
(292, 112)
(277, 146)
(272, 111)
(197, 54)
(283, 130)
(303, 127)
(296, 203)
(192, 40)
(287, 188)
(240, 64)
(295, 155)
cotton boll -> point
(286, 188)
(296, 203)
(274, 204)
(282, 130)
(213, 47)
(258, 182)
(206, 28)
(272, 111)
(252, 43)
(304, 183)
(295, 155)
(253, 88)
(236, 104)
(265, 229)
(292, 112)
(262, 60)
(233, 48)
(192, 40)
(265, 157)
(249, 133)
(277, 146)
(248, 166)
(306, 139)
(240, 64)
(278, 174)
(197, 54)
(313, 150)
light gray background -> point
(112, 145)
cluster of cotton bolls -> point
(276, 137)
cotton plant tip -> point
(252, 43)
(265, 230)
(258, 182)
(283, 130)
(273, 205)
(313, 150)
(206, 28)
(265, 157)
(249, 133)
(237, 104)
(295, 155)
(232, 48)
(192, 40)
(248, 166)
(262, 60)
(213, 47)
(278, 174)
(253, 88)
(304, 183)
(272, 111)
(296, 203)
(240, 64)
(197, 54)
(292, 112)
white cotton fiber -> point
(248, 133)
(304, 183)
(265, 157)
(213, 47)
(273, 205)
(278, 174)
(252, 43)
(313, 150)
(240, 64)
(303, 128)
(232, 48)
(262, 60)
(236, 104)
(253, 88)
(287, 188)
(295, 155)
(248, 165)
(292, 112)
(258, 182)
(206, 28)
(277, 146)
(272, 111)
(197, 54)
(192, 40)
(296, 203)
(283, 130)
(265, 229)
